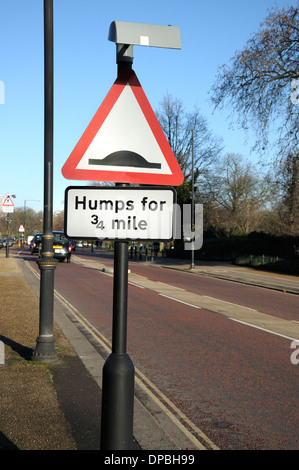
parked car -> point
(62, 247)
(36, 243)
(4, 241)
(1, 243)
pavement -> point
(57, 405)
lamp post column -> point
(45, 351)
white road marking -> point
(181, 301)
(263, 329)
(230, 303)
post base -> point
(44, 350)
(117, 403)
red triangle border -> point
(69, 170)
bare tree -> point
(262, 81)
(237, 194)
(58, 220)
(178, 125)
(31, 220)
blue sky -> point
(85, 69)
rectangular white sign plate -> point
(7, 209)
(119, 213)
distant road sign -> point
(7, 202)
(7, 205)
(114, 213)
(124, 141)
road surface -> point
(214, 353)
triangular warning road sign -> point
(124, 141)
(7, 202)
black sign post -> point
(118, 370)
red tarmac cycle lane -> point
(275, 303)
(235, 383)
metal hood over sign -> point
(124, 141)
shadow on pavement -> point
(6, 444)
(23, 351)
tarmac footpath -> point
(43, 406)
(31, 417)
(57, 405)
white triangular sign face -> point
(7, 202)
(124, 142)
(126, 130)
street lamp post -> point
(44, 350)
(192, 194)
(192, 205)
